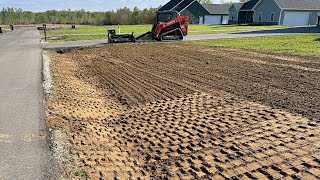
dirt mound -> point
(162, 111)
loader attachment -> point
(113, 37)
(146, 37)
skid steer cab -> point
(170, 26)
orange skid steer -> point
(170, 26)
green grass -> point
(80, 173)
(217, 29)
(5, 29)
(77, 38)
(82, 32)
(98, 29)
(302, 44)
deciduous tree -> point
(121, 16)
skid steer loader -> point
(170, 26)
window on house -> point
(272, 17)
(232, 18)
(260, 16)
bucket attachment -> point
(113, 37)
(146, 37)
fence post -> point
(45, 31)
(119, 29)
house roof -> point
(299, 4)
(249, 5)
(217, 8)
(170, 5)
(177, 5)
(183, 5)
(238, 5)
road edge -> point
(53, 136)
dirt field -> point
(178, 111)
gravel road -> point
(24, 152)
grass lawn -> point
(302, 44)
(218, 29)
(77, 38)
(101, 31)
(5, 29)
(81, 29)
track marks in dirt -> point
(200, 136)
(151, 113)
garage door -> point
(225, 19)
(201, 20)
(212, 20)
(296, 18)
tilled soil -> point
(143, 73)
(170, 111)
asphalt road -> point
(24, 152)
(256, 33)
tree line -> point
(120, 16)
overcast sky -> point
(90, 5)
